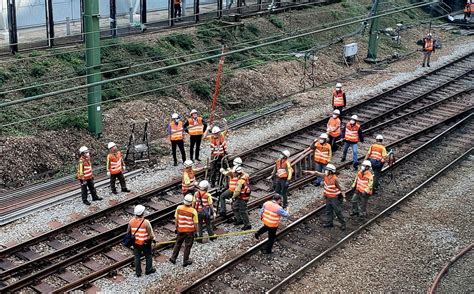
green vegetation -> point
(276, 21)
(201, 88)
(65, 121)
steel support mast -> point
(373, 34)
(92, 38)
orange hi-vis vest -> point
(195, 126)
(428, 45)
(176, 131)
(334, 127)
(245, 190)
(190, 173)
(201, 198)
(321, 153)
(270, 216)
(86, 169)
(468, 8)
(352, 132)
(218, 146)
(330, 188)
(141, 234)
(233, 182)
(338, 98)
(376, 152)
(282, 168)
(362, 182)
(185, 219)
(115, 162)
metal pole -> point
(171, 13)
(219, 8)
(373, 34)
(143, 11)
(92, 36)
(113, 18)
(68, 26)
(12, 26)
(196, 10)
(49, 23)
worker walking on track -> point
(281, 175)
(188, 183)
(338, 98)
(186, 218)
(322, 155)
(176, 136)
(195, 127)
(143, 234)
(115, 168)
(202, 202)
(352, 136)
(377, 155)
(334, 129)
(334, 195)
(240, 199)
(270, 214)
(232, 180)
(218, 151)
(428, 48)
(85, 176)
(363, 184)
(468, 8)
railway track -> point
(305, 242)
(92, 243)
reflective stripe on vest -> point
(270, 216)
(282, 168)
(86, 169)
(428, 45)
(376, 152)
(334, 127)
(201, 196)
(176, 131)
(141, 234)
(363, 181)
(115, 163)
(195, 126)
(192, 179)
(218, 146)
(321, 153)
(233, 182)
(245, 190)
(330, 188)
(338, 97)
(185, 221)
(352, 132)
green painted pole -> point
(92, 38)
(373, 33)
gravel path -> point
(459, 274)
(403, 253)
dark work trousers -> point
(227, 194)
(195, 141)
(332, 141)
(85, 184)
(281, 187)
(215, 173)
(334, 206)
(177, 10)
(240, 211)
(204, 220)
(377, 166)
(359, 203)
(271, 237)
(121, 178)
(320, 168)
(180, 145)
(355, 157)
(426, 57)
(340, 108)
(188, 239)
(139, 251)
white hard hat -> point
(238, 169)
(193, 111)
(110, 145)
(324, 136)
(338, 85)
(379, 137)
(203, 184)
(188, 163)
(331, 167)
(188, 199)
(355, 117)
(367, 163)
(237, 161)
(83, 149)
(215, 130)
(174, 116)
(139, 209)
(286, 153)
(336, 111)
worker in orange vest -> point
(322, 155)
(195, 126)
(85, 176)
(143, 235)
(186, 218)
(177, 9)
(428, 48)
(468, 9)
(352, 136)
(363, 184)
(270, 214)
(176, 137)
(334, 129)
(334, 195)
(202, 202)
(115, 168)
(240, 199)
(218, 142)
(281, 175)
(377, 155)
(188, 183)
(232, 179)
(338, 98)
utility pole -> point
(373, 34)
(94, 93)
